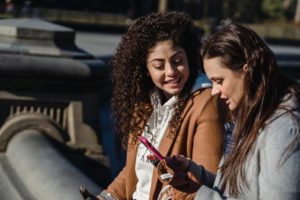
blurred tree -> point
(273, 9)
(195, 8)
(297, 14)
(242, 10)
(248, 11)
(214, 9)
(290, 9)
(162, 5)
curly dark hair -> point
(131, 106)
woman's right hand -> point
(180, 162)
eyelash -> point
(158, 66)
(177, 61)
(219, 82)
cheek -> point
(155, 76)
(240, 95)
(228, 91)
(185, 70)
(240, 90)
(235, 95)
(224, 90)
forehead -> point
(215, 68)
(164, 46)
(213, 64)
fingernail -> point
(151, 157)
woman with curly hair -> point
(264, 162)
(159, 93)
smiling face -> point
(226, 83)
(168, 67)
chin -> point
(232, 108)
(174, 92)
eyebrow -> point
(161, 59)
(214, 78)
(156, 59)
(178, 52)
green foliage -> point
(252, 11)
(243, 10)
(273, 9)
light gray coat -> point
(267, 178)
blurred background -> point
(98, 26)
(276, 18)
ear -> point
(245, 68)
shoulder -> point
(282, 128)
(202, 95)
(284, 123)
(280, 131)
(201, 91)
(279, 153)
(205, 106)
(202, 99)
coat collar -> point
(201, 82)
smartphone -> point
(151, 148)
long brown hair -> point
(264, 87)
(131, 107)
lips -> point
(173, 81)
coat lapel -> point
(165, 147)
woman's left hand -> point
(87, 195)
(173, 170)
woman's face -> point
(168, 67)
(226, 83)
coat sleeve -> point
(278, 160)
(209, 136)
(117, 188)
(121, 187)
(207, 179)
(207, 141)
(279, 176)
(207, 193)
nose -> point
(215, 90)
(170, 69)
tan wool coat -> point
(200, 138)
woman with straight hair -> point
(264, 159)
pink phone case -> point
(151, 148)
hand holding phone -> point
(86, 194)
(150, 147)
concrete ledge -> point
(44, 173)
